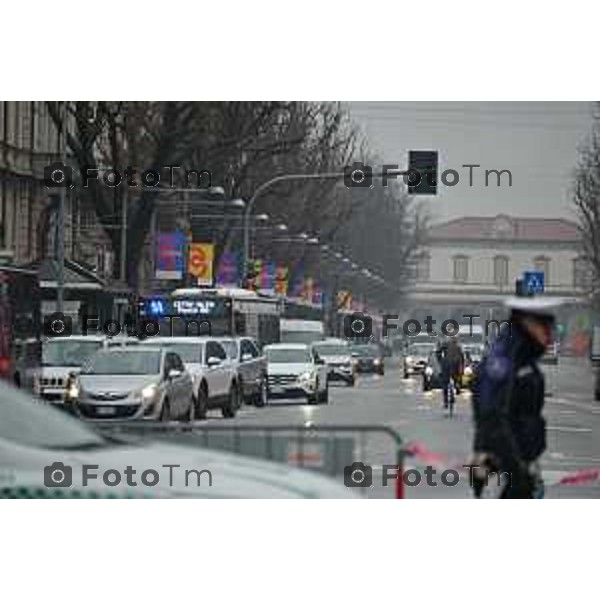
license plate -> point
(106, 410)
(276, 389)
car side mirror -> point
(247, 356)
(174, 373)
(213, 361)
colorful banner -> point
(281, 280)
(170, 257)
(344, 300)
(200, 263)
(228, 272)
(267, 277)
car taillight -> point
(4, 365)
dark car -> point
(368, 358)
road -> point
(573, 420)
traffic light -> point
(422, 171)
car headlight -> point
(468, 371)
(428, 371)
(73, 390)
(409, 359)
(307, 378)
(149, 392)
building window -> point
(581, 273)
(423, 267)
(500, 270)
(461, 269)
(542, 263)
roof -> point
(78, 338)
(287, 346)
(505, 227)
(76, 275)
(183, 339)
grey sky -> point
(537, 141)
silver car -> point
(134, 382)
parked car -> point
(62, 358)
(134, 382)
(293, 371)
(214, 375)
(43, 450)
(251, 368)
(338, 357)
(368, 359)
(415, 358)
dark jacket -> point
(508, 399)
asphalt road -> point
(573, 420)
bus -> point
(217, 312)
(301, 322)
(20, 325)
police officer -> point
(508, 398)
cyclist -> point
(452, 363)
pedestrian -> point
(508, 399)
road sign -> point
(534, 282)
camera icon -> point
(358, 325)
(358, 475)
(58, 175)
(358, 175)
(58, 325)
(58, 475)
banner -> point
(267, 277)
(170, 255)
(255, 267)
(228, 272)
(281, 280)
(200, 263)
(344, 300)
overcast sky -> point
(536, 141)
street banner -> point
(228, 272)
(255, 267)
(200, 262)
(344, 300)
(307, 290)
(170, 257)
(267, 277)
(281, 280)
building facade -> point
(470, 266)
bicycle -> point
(450, 397)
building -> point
(470, 265)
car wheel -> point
(201, 403)
(229, 409)
(165, 411)
(314, 399)
(262, 397)
(352, 381)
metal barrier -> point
(332, 450)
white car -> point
(293, 371)
(337, 355)
(214, 375)
(134, 382)
(43, 452)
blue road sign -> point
(534, 282)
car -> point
(43, 450)
(214, 375)
(473, 354)
(251, 368)
(368, 359)
(338, 357)
(62, 358)
(415, 358)
(294, 371)
(134, 382)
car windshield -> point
(68, 353)
(331, 349)
(122, 362)
(189, 353)
(366, 351)
(288, 355)
(420, 349)
(230, 347)
(29, 423)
